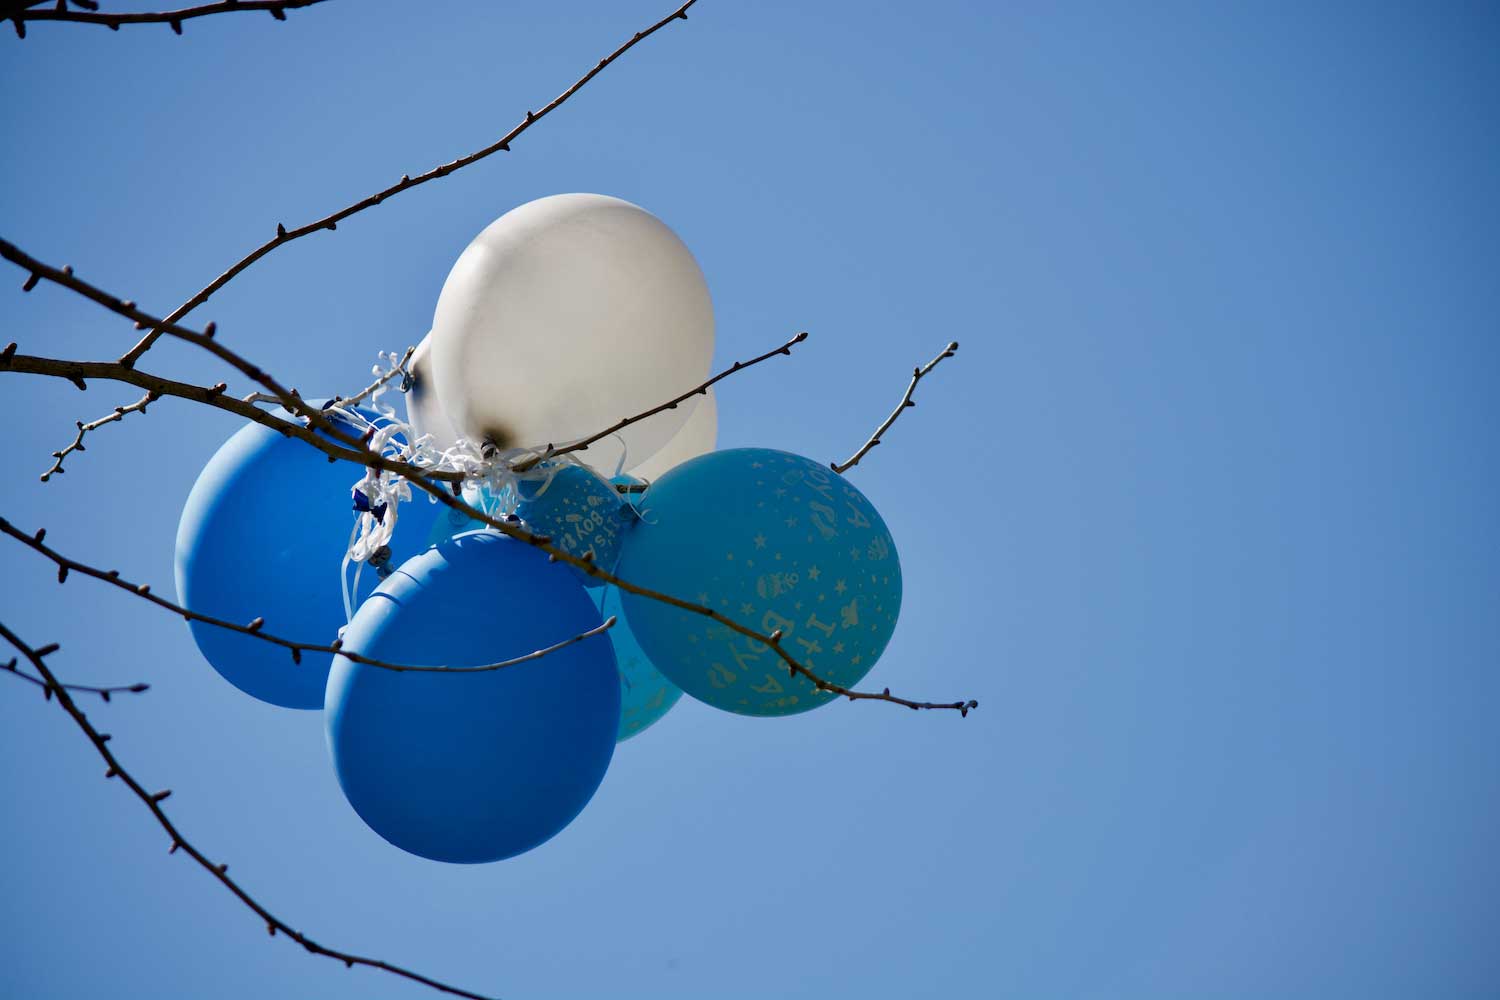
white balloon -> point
(697, 437)
(609, 458)
(423, 410)
(565, 315)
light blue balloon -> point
(263, 535)
(579, 511)
(645, 693)
(773, 541)
(473, 767)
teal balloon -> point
(773, 541)
(263, 535)
(645, 693)
(580, 511)
(473, 767)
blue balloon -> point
(645, 693)
(579, 511)
(473, 767)
(263, 535)
(773, 541)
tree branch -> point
(671, 404)
(153, 800)
(277, 9)
(254, 628)
(906, 401)
(406, 183)
(79, 372)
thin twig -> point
(103, 692)
(259, 397)
(139, 406)
(551, 452)
(423, 480)
(906, 401)
(406, 183)
(255, 628)
(399, 369)
(153, 801)
(277, 9)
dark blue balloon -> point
(775, 542)
(473, 767)
(263, 535)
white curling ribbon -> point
(490, 482)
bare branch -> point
(174, 18)
(103, 692)
(255, 630)
(906, 401)
(139, 406)
(426, 482)
(671, 404)
(153, 800)
(216, 396)
(406, 183)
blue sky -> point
(1203, 513)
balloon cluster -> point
(559, 318)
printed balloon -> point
(773, 541)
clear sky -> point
(1203, 513)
